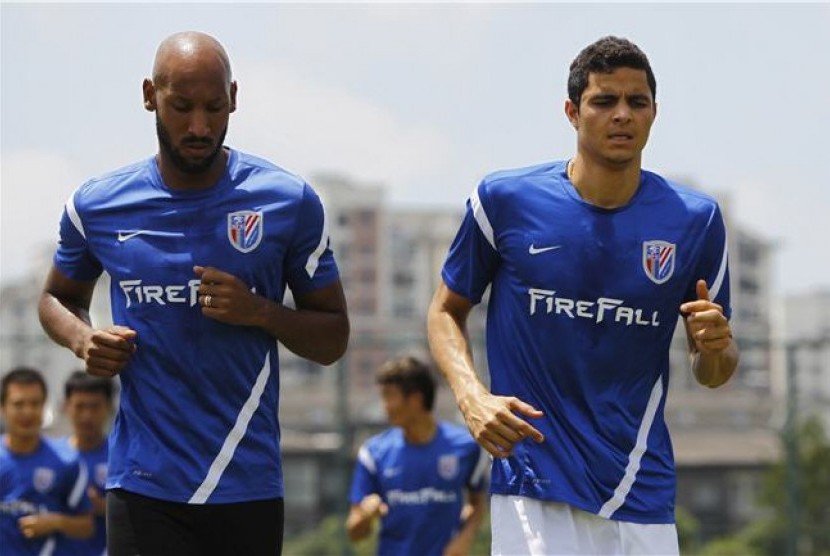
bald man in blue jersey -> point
(201, 242)
(589, 262)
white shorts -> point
(529, 527)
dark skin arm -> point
(318, 329)
(63, 309)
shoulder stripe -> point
(80, 486)
(624, 487)
(481, 218)
(73, 215)
(314, 259)
(481, 466)
(367, 460)
(716, 285)
(225, 455)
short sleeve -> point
(73, 256)
(473, 257)
(713, 264)
(365, 478)
(310, 262)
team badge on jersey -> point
(245, 229)
(43, 479)
(658, 260)
(448, 466)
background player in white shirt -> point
(422, 477)
(589, 263)
(201, 242)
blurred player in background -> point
(589, 263)
(201, 241)
(416, 475)
(88, 403)
(42, 482)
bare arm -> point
(712, 351)
(63, 309)
(318, 329)
(75, 526)
(362, 517)
(472, 515)
(492, 420)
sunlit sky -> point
(427, 99)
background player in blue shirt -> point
(88, 403)
(589, 263)
(42, 482)
(201, 242)
(415, 475)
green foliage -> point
(328, 539)
(768, 537)
(688, 531)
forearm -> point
(359, 524)
(472, 523)
(76, 526)
(450, 347)
(715, 369)
(320, 336)
(67, 324)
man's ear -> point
(572, 112)
(149, 92)
(233, 96)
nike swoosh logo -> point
(124, 236)
(533, 250)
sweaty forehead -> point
(176, 67)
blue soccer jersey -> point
(422, 484)
(95, 461)
(197, 420)
(583, 305)
(50, 479)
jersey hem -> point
(183, 498)
(645, 519)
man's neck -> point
(21, 444)
(604, 186)
(421, 430)
(176, 179)
(86, 443)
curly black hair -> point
(604, 56)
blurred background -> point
(394, 112)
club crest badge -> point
(448, 466)
(245, 229)
(43, 479)
(658, 260)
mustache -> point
(197, 141)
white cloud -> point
(34, 186)
(308, 127)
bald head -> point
(189, 49)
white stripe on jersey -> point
(80, 486)
(367, 460)
(48, 547)
(481, 218)
(715, 287)
(481, 466)
(73, 215)
(618, 499)
(314, 259)
(225, 455)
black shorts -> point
(139, 525)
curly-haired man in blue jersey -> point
(200, 241)
(589, 262)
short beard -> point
(179, 161)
